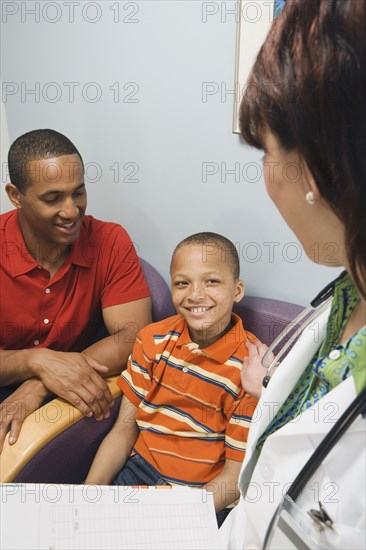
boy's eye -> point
(213, 282)
(180, 283)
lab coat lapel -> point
(319, 420)
(285, 378)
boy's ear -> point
(239, 291)
(13, 194)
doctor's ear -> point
(314, 189)
(13, 194)
(311, 186)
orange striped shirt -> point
(192, 410)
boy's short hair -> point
(36, 145)
(228, 251)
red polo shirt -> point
(64, 313)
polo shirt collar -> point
(83, 252)
(22, 262)
(222, 349)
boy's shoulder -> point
(240, 329)
(163, 328)
(167, 324)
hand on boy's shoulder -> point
(252, 372)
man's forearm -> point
(112, 351)
(123, 323)
(15, 366)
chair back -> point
(161, 298)
(267, 318)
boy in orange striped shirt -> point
(184, 416)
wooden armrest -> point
(40, 428)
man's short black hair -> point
(36, 145)
(213, 241)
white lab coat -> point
(339, 483)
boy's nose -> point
(196, 293)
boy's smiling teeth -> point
(198, 309)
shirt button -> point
(48, 290)
(266, 470)
(36, 342)
(39, 266)
(185, 369)
(190, 346)
(46, 321)
(335, 354)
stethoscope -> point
(317, 306)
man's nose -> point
(69, 209)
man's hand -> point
(75, 377)
(252, 372)
(20, 404)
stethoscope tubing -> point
(309, 314)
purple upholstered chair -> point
(266, 318)
(161, 297)
(67, 457)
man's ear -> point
(239, 291)
(13, 194)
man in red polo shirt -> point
(62, 273)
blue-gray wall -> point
(144, 90)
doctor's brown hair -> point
(308, 88)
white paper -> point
(66, 517)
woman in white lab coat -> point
(306, 109)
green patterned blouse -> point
(331, 364)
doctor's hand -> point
(252, 372)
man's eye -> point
(78, 194)
(50, 200)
